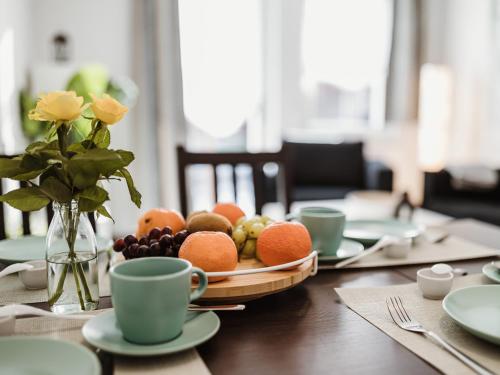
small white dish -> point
(398, 250)
(434, 285)
(36, 277)
(7, 325)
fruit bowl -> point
(252, 280)
(238, 247)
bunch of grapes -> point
(158, 243)
(246, 232)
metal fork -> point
(403, 319)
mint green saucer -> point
(491, 272)
(370, 231)
(23, 355)
(103, 333)
(477, 310)
(27, 248)
(347, 249)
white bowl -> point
(398, 250)
(35, 278)
(433, 285)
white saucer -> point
(104, 333)
(348, 249)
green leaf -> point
(30, 162)
(102, 137)
(56, 189)
(12, 168)
(104, 212)
(57, 172)
(134, 193)
(91, 198)
(95, 193)
(83, 175)
(76, 148)
(35, 147)
(26, 199)
(127, 156)
(85, 168)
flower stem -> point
(73, 266)
(88, 295)
(60, 285)
(70, 225)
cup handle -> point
(202, 284)
(291, 216)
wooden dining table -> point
(307, 329)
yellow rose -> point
(58, 106)
(107, 109)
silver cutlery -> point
(18, 309)
(216, 308)
(379, 245)
(402, 318)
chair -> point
(255, 160)
(441, 196)
(330, 171)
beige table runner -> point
(370, 304)
(186, 362)
(452, 249)
(13, 291)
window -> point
(345, 53)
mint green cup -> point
(326, 227)
(151, 297)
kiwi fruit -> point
(208, 221)
(194, 213)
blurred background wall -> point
(247, 74)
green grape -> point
(240, 221)
(255, 230)
(249, 249)
(247, 225)
(239, 237)
(266, 220)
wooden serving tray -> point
(244, 288)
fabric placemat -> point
(451, 249)
(12, 289)
(370, 304)
(186, 362)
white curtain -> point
(221, 63)
(159, 118)
(459, 35)
(346, 42)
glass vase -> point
(72, 266)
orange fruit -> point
(210, 251)
(231, 211)
(158, 217)
(283, 242)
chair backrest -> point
(339, 164)
(255, 160)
